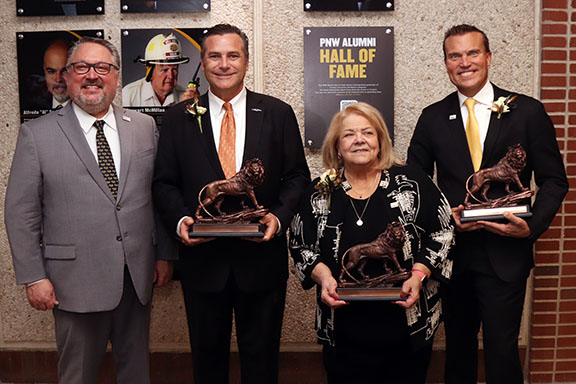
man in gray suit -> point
(80, 221)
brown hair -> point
(224, 29)
(462, 29)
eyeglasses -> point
(82, 68)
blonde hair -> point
(386, 154)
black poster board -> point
(41, 62)
(349, 5)
(146, 6)
(134, 43)
(344, 65)
(59, 7)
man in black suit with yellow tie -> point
(226, 276)
(459, 135)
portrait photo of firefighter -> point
(163, 60)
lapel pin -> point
(256, 110)
(126, 118)
(452, 117)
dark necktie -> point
(105, 159)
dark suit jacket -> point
(441, 140)
(188, 160)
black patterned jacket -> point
(405, 194)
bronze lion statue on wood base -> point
(506, 171)
(242, 184)
(384, 248)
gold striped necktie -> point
(105, 159)
(227, 145)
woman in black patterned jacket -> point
(365, 189)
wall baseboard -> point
(176, 368)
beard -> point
(60, 96)
(94, 106)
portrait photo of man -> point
(42, 60)
(164, 72)
(54, 67)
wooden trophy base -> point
(227, 230)
(370, 294)
(494, 214)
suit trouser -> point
(258, 317)
(82, 339)
(480, 297)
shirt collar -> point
(485, 96)
(149, 94)
(56, 103)
(237, 102)
(87, 121)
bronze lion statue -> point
(383, 248)
(241, 184)
(506, 171)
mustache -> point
(92, 82)
(59, 85)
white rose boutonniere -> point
(197, 111)
(502, 105)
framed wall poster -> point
(348, 5)
(42, 60)
(59, 7)
(157, 67)
(140, 6)
(344, 65)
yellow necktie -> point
(473, 135)
(227, 145)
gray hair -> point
(94, 40)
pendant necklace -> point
(359, 222)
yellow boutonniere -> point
(196, 111)
(502, 105)
(329, 180)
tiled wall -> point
(553, 342)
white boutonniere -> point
(330, 180)
(502, 105)
(197, 111)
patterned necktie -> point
(227, 145)
(473, 135)
(105, 159)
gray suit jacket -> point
(63, 222)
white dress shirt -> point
(141, 94)
(484, 99)
(110, 131)
(56, 103)
(217, 114)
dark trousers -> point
(258, 317)
(478, 297)
(82, 339)
(372, 345)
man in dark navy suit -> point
(493, 259)
(226, 276)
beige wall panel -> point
(420, 79)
